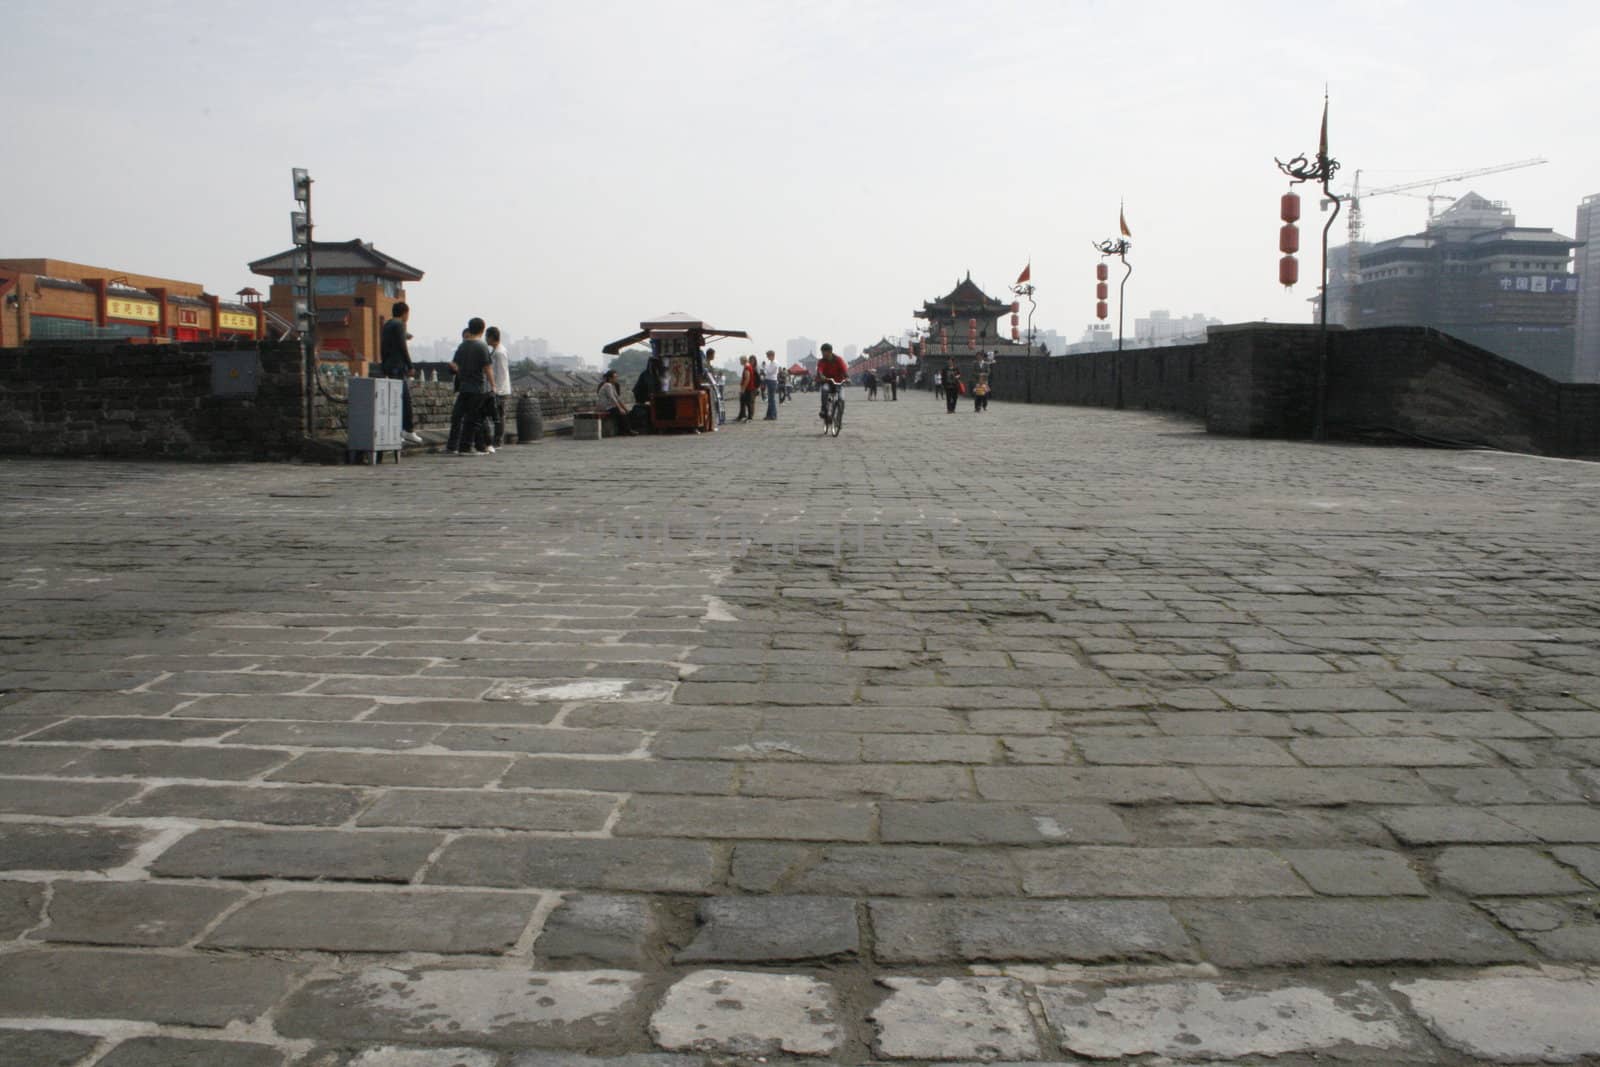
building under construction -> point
(1474, 274)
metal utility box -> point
(234, 373)
(375, 415)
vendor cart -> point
(680, 394)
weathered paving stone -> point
(508, 810)
(397, 1056)
(336, 734)
(241, 706)
(1302, 787)
(892, 781)
(540, 739)
(282, 805)
(186, 1052)
(872, 870)
(1507, 872)
(928, 931)
(1349, 872)
(757, 745)
(1556, 823)
(132, 913)
(634, 865)
(341, 855)
(219, 763)
(748, 1014)
(407, 921)
(1511, 1019)
(1586, 861)
(20, 906)
(1115, 785)
(1387, 752)
(44, 1048)
(1211, 1020)
(357, 768)
(1428, 825)
(604, 929)
(53, 847)
(1272, 933)
(1252, 699)
(111, 729)
(180, 990)
(1560, 928)
(773, 929)
(745, 817)
(1211, 824)
(623, 776)
(948, 1018)
(29, 796)
(970, 823)
(1092, 871)
(637, 1059)
(1165, 751)
(515, 1008)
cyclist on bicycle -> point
(831, 373)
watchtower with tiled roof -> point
(357, 285)
(951, 318)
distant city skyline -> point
(567, 190)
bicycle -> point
(835, 420)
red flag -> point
(1122, 221)
(1027, 272)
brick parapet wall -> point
(432, 402)
(100, 399)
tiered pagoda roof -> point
(965, 301)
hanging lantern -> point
(1101, 272)
(1016, 306)
(1015, 318)
(1101, 310)
(1288, 271)
(1101, 291)
(972, 333)
(1289, 239)
(1015, 336)
(1289, 207)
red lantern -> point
(1101, 273)
(1289, 207)
(1015, 318)
(1288, 271)
(1016, 306)
(1101, 291)
(1015, 336)
(1289, 239)
(1101, 310)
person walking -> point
(769, 379)
(749, 384)
(394, 355)
(500, 371)
(870, 381)
(714, 382)
(952, 387)
(980, 394)
(609, 403)
(471, 364)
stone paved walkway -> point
(1047, 736)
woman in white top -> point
(500, 378)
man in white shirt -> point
(500, 375)
(769, 378)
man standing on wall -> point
(500, 371)
(394, 355)
(769, 378)
(471, 365)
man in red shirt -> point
(830, 369)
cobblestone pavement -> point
(1050, 736)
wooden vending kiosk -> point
(681, 397)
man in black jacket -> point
(394, 355)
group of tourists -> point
(482, 369)
(950, 383)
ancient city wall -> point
(159, 401)
(1259, 380)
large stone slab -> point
(950, 1018)
(1511, 1019)
(185, 990)
(188, 1052)
(174, 761)
(515, 1008)
(600, 928)
(341, 855)
(496, 808)
(748, 1014)
(1504, 872)
(406, 921)
(658, 816)
(282, 805)
(974, 823)
(55, 847)
(20, 907)
(635, 865)
(927, 931)
(132, 913)
(773, 930)
(1255, 933)
(44, 1048)
(33, 796)
(871, 870)
(1219, 1021)
(1093, 871)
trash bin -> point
(530, 420)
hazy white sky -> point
(815, 168)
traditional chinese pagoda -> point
(966, 322)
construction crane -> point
(1355, 196)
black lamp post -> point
(1119, 247)
(1297, 170)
